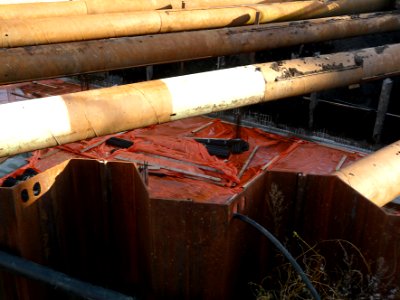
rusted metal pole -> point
(57, 280)
(46, 122)
(311, 109)
(39, 9)
(382, 109)
(46, 61)
(377, 176)
(28, 32)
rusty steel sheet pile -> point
(335, 211)
(77, 218)
(46, 61)
(174, 237)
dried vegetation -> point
(337, 269)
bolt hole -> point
(36, 189)
(24, 195)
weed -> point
(277, 207)
(337, 269)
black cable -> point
(284, 251)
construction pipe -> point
(45, 61)
(30, 32)
(377, 176)
(47, 122)
(57, 280)
(86, 7)
(5, 2)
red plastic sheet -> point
(180, 167)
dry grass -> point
(277, 208)
(346, 275)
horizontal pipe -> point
(42, 10)
(5, 2)
(377, 176)
(85, 7)
(46, 61)
(57, 280)
(47, 122)
(28, 32)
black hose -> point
(56, 279)
(284, 251)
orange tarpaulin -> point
(181, 167)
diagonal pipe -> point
(377, 176)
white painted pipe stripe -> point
(215, 90)
(44, 119)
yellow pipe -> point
(85, 7)
(15, 33)
(47, 122)
(5, 2)
(42, 10)
(377, 176)
(44, 61)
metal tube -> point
(383, 106)
(42, 10)
(46, 122)
(56, 279)
(4, 2)
(30, 32)
(377, 176)
(48, 9)
(46, 61)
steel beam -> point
(28, 32)
(46, 122)
(46, 61)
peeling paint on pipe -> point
(377, 176)
(28, 32)
(52, 121)
(46, 61)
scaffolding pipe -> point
(376, 176)
(86, 7)
(46, 122)
(29, 32)
(57, 280)
(46, 61)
